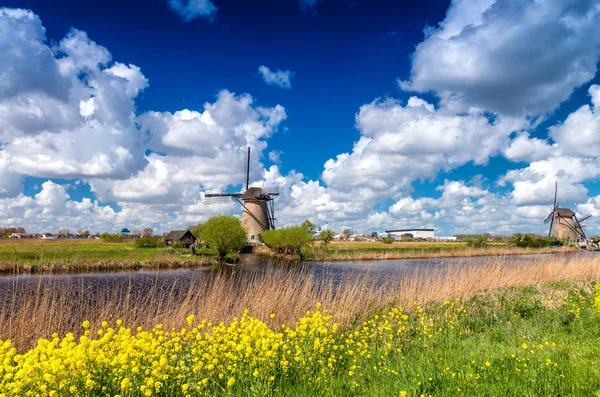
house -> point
(183, 237)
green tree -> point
(224, 234)
(388, 240)
(309, 226)
(326, 236)
(289, 240)
(196, 230)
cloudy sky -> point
(371, 115)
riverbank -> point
(19, 256)
(500, 330)
(379, 251)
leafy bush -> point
(388, 240)
(477, 242)
(529, 241)
(224, 234)
(150, 242)
(289, 240)
(112, 238)
(326, 236)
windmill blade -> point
(272, 190)
(584, 217)
(248, 170)
(550, 215)
(213, 200)
(551, 224)
(555, 195)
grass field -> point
(493, 330)
(350, 250)
(29, 255)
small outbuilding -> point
(183, 237)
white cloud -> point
(400, 144)
(524, 148)
(281, 78)
(513, 57)
(580, 132)
(191, 9)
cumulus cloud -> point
(524, 148)
(580, 132)
(400, 144)
(512, 57)
(280, 78)
(192, 9)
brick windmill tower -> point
(258, 206)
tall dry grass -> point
(436, 252)
(36, 311)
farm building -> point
(415, 233)
(183, 237)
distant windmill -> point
(564, 223)
(257, 203)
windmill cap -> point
(253, 193)
(564, 212)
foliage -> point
(289, 240)
(225, 234)
(83, 232)
(196, 230)
(533, 241)
(64, 231)
(346, 233)
(326, 236)
(388, 240)
(477, 242)
(147, 232)
(309, 226)
(150, 242)
(450, 348)
(112, 238)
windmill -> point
(564, 223)
(258, 206)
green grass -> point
(35, 255)
(519, 342)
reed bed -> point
(363, 254)
(32, 310)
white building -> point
(415, 233)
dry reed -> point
(32, 311)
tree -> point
(289, 240)
(388, 240)
(20, 229)
(196, 230)
(346, 234)
(374, 234)
(224, 234)
(147, 232)
(64, 231)
(136, 233)
(309, 226)
(326, 236)
(83, 232)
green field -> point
(57, 255)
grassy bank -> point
(37, 256)
(351, 251)
(539, 340)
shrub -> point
(112, 238)
(326, 236)
(532, 241)
(477, 242)
(150, 242)
(388, 240)
(289, 240)
(224, 234)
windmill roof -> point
(564, 212)
(253, 193)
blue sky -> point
(445, 113)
